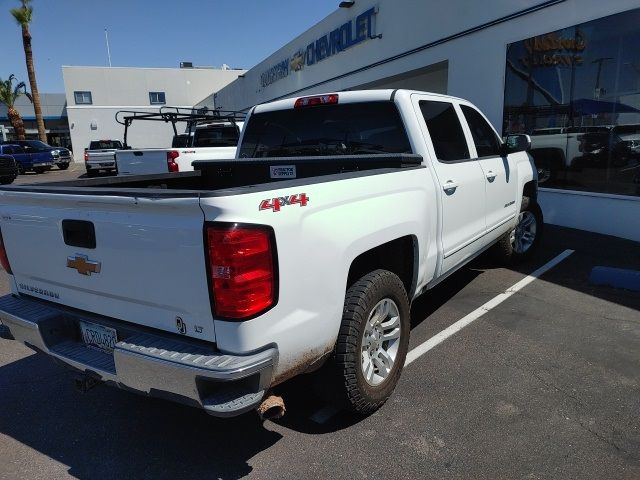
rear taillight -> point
(171, 161)
(86, 156)
(316, 100)
(4, 260)
(242, 270)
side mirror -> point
(516, 143)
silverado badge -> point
(83, 265)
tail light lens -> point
(171, 161)
(242, 270)
(4, 260)
(86, 156)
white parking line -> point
(480, 311)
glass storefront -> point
(576, 91)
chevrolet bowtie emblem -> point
(83, 265)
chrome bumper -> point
(148, 362)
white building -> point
(566, 70)
(96, 94)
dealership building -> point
(567, 72)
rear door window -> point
(484, 138)
(342, 129)
(105, 145)
(445, 131)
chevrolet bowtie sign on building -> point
(355, 31)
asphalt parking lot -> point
(544, 385)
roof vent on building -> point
(186, 64)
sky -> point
(152, 33)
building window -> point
(576, 91)
(157, 98)
(83, 98)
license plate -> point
(98, 337)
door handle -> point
(491, 176)
(450, 187)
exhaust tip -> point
(271, 408)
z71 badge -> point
(275, 204)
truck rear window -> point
(105, 145)
(216, 136)
(347, 129)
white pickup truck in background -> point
(101, 155)
(216, 140)
(302, 255)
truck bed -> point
(229, 177)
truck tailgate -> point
(141, 162)
(147, 265)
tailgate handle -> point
(79, 233)
(138, 154)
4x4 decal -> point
(275, 204)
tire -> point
(40, 169)
(92, 173)
(6, 180)
(512, 248)
(63, 166)
(349, 386)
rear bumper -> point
(148, 362)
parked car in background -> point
(101, 155)
(215, 140)
(33, 161)
(8, 169)
(59, 156)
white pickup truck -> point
(304, 253)
(217, 140)
(101, 155)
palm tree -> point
(23, 16)
(8, 96)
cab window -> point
(445, 131)
(484, 138)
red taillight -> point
(86, 156)
(171, 161)
(317, 100)
(4, 260)
(242, 271)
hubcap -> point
(380, 341)
(524, 234)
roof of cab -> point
(351, 96)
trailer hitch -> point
(84, 383)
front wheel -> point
(521, 242)
(63, 166)
(372, 343)
(40, 170)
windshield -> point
(37, 145)
(349, 129)
(105, 145)
(216, 136)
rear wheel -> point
(522, 242)
(40, 169)
(92, 173)
(63, 166)
(372, 343)
(6, 180)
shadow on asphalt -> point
(110, 433)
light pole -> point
(599, 61)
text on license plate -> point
(97, 336)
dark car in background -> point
(8, 169)
(27, 160)
(59, 156)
